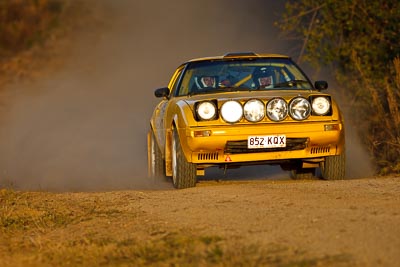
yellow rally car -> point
(245, 109)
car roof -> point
(239, 55)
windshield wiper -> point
(290, 83)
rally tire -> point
(183, 172)
(333, 168)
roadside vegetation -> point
(26, 23)
(358, 42)
(96, 229)
(33, 35)
(25, 29)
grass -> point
(45, 229)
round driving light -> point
(277, 109)
(321, 105)
(299, 108)
(254, 110)
(231, 111)
(206, 110)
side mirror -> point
(321, 85)
(162, 92)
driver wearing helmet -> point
(206, 82)
(263, 78)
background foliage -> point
(33, 35)
(360, 42)
(24, 23)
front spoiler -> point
(321, 141)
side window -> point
(175, 80)
(184, 83)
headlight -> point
(299, 108)
(321, 105)
(231, 111)
(206, 110)
(277, 109)
(254, 110)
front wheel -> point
(333, 168)
(183, 172)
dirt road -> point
(242, 223)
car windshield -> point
(215, 76)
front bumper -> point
(228, 144)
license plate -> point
(266, 141)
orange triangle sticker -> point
(228, 158)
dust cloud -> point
(84, 128)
